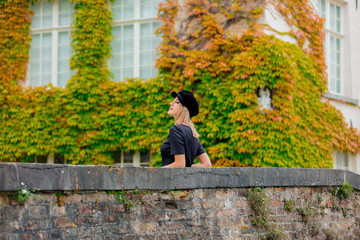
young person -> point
(182, 145)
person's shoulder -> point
(175, 128)
(179, 128)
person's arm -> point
(179, 162)
(204, 161)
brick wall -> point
(298, 212)
(187, 214)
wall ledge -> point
(341, 98)
(55, 177)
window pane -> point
(338, 86)
(34, 80)
(337, 44)
(332, 84)
(156, 25)
(128, 12)
(116, 61)
(34, 67)
(116, 32)
(46, 40)
(332, 10)
(146, 58)
(128, 157)
(36, 8)
(64, 52)
(46, 53)
(146, 11)
(122, 10)
(64, 38)
(35, 42)
(128, 31)
(145, 30)
(63, 5)
(145, 45)
(64, 19)
(332, 70)
(117, 13)
(46, 67)
(128, 60)
(47, 7)
(128, 72)
(323, 8)
(338, 72)
(144, 159)
(63, 79)
(34, 53)
(59, 159)
(117, 156)
(155, 72)
(116, 47)
(46, 79)
(117, 74)
(154, 55)
(156, 42)
(338, 12)
(145, 72)
(63, 66)
(35, 22)
(47, 21)
(128, 46)
(338, 19)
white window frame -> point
(55, 37)
(136, 22)
(335, 34)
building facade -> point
(342, 50)
(134, 53)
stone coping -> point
(58, 177)
(341, 98)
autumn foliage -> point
(217, 49)
(225, 67)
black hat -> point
(188, 100)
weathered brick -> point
(26, 236)
(87, 209)
(62, 222)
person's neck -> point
(177, 121)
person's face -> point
(175, 107)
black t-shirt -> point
(180, 141)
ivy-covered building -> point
(342, 51)
(87, 81)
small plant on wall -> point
(259, 202)
(23, 194)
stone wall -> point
(137, 206)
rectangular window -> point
(122, 61)
(148, 44)
(131, 158)
(341, 161)
(123, 10)
(148, 8)
(50, 48)
(134, 44)
(41, 59)
(332, 12)
(63, 61)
